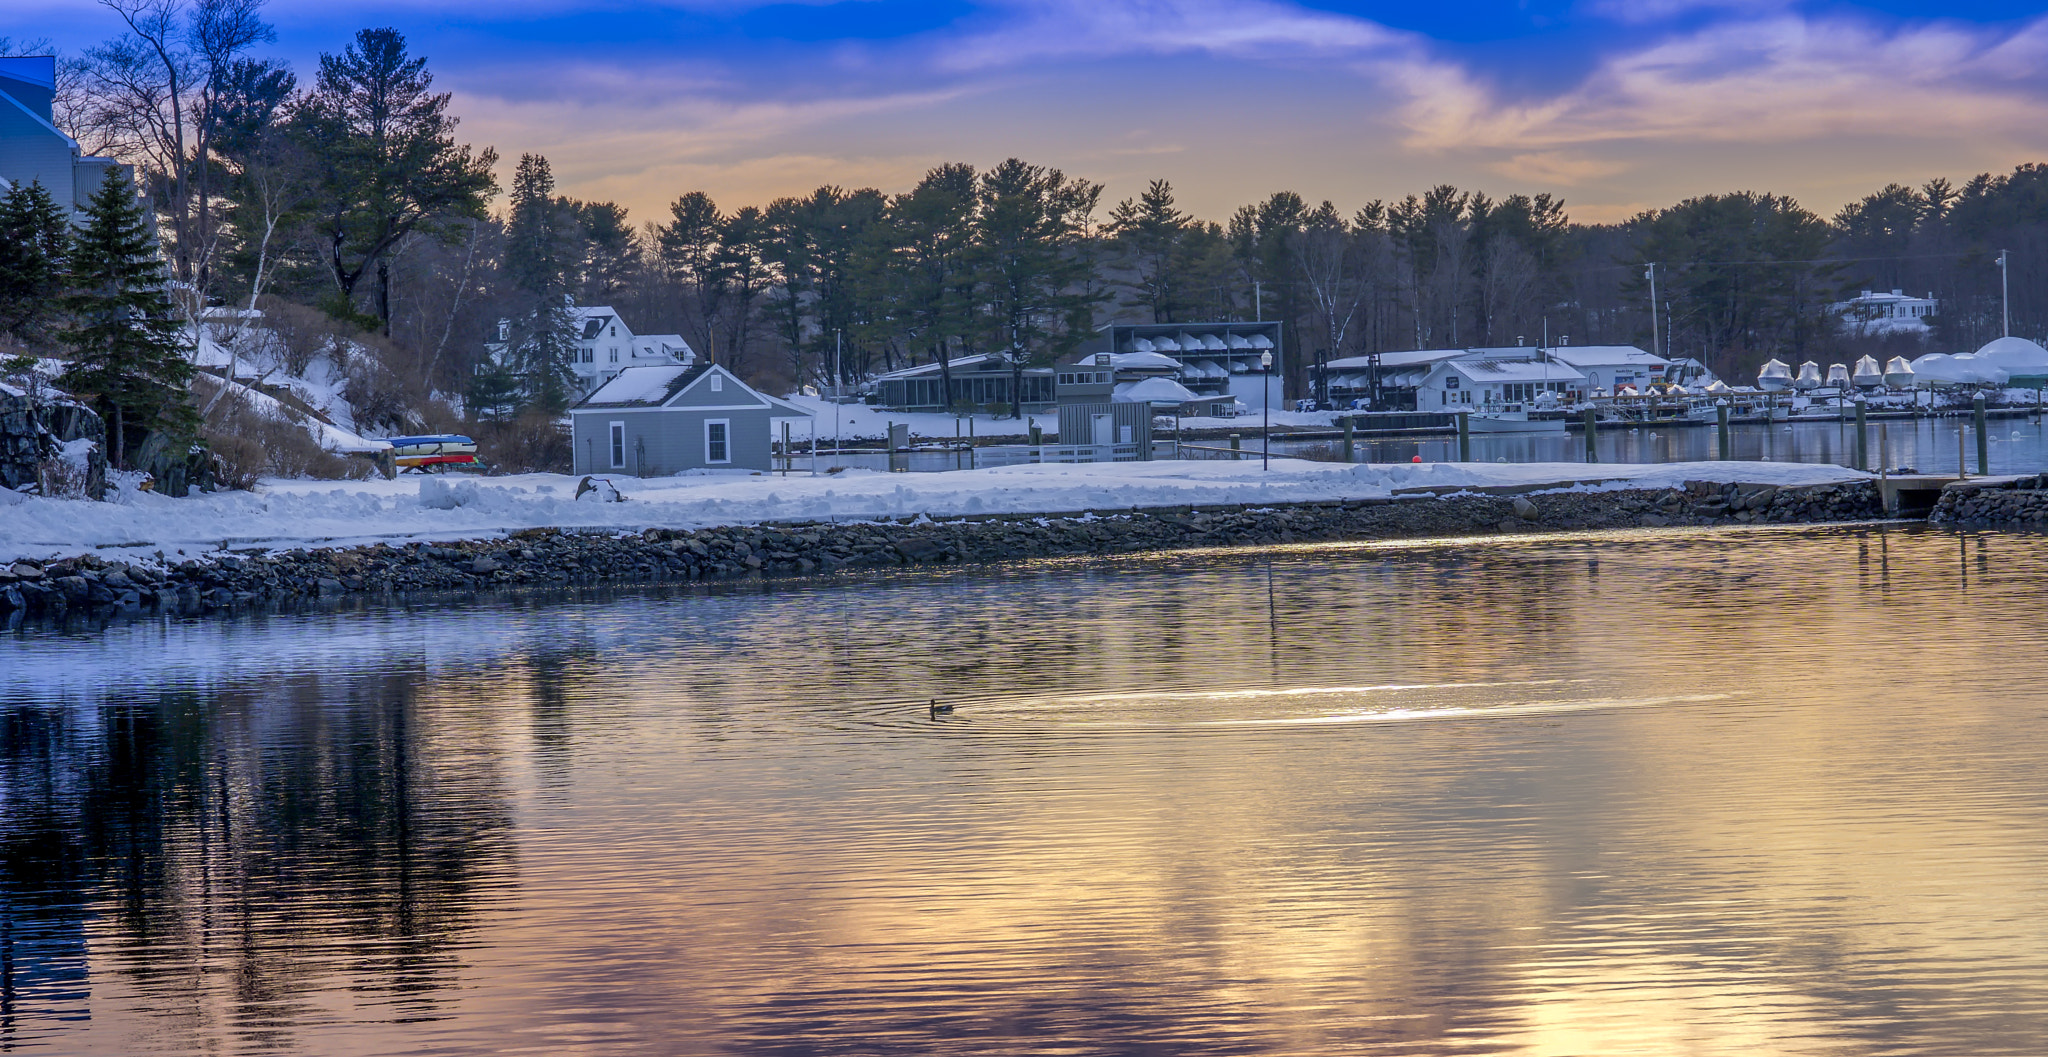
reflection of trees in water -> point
(238, 848)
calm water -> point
(1732, 792)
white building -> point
(1877, 312)
(605, 345)
(1612, 366)
(1478, 383)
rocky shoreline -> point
(88, 586)
(2001, 502)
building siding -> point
(669, 440)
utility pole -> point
(1259, 301)
(2004, 296)
(1655, 346)
(838, 397)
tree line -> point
(354, 194)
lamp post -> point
(1266, 428)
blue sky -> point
(1615, 105)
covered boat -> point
(1898, 373)
(1775, 377)
(1867, 374)
(1838, 374)
(1809, 376)
(2024, 362)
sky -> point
(1614, 106)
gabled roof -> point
(655, 385)
(650, 386)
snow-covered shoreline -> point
(284, 514)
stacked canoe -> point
(435, 454)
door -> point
(1104, 431)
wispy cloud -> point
(1243, 29)
(1778, 79)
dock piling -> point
(1721, 426)
(1465, 436)
(1983, 438)
(1236, 446)
(1862, 439)
(1592, 452)
(1350, 427)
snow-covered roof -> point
(646, 386)
(1511, 371)
(1606, 356)
(1152, 391)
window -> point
(614, 350)
(717, 383)
(615, 332)
(715, 447)
(618, 444)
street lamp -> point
(1266, 429)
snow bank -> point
(285, 514)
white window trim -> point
(708, 423)
(615, 444)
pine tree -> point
(539, 261)
(128, 350)
(34, 241)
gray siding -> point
(670, 440)
(30, 153)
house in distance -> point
(656, 420)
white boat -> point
(1809, 377)
(1838, 374)
(1868, 375)
(1516, 419)
(1776, 377)
(1898, 373)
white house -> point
(1473, 383)
(1877, 312)
(605, 345)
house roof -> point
(654, 385)
(649, 386)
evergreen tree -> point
(128, 350)
(386, 162)
(34, 241)
(540, 259)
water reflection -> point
(228, 853)
(1762, 791)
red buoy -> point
(1418, 458)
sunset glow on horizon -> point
(1613, 107)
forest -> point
(343, 202)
